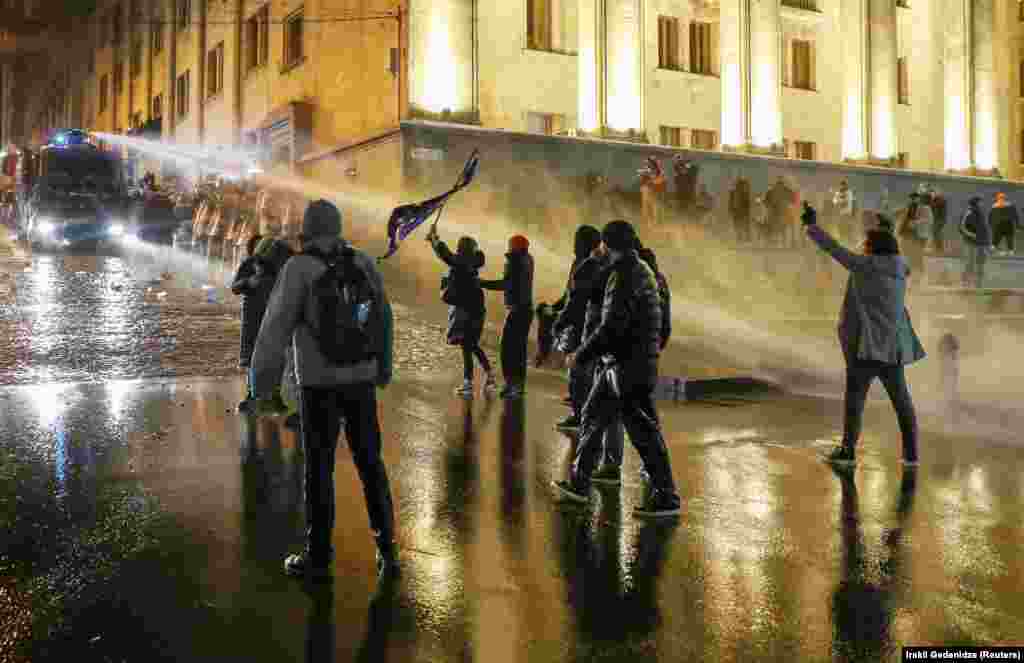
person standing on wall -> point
(739, 209)
(1003, 219)
(937, 202)
(977, 238)
(627, 343)
(875, 333)
(517, 284)
(914, 232)
(845, 204)
(330, 301)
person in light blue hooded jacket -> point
(875, 332)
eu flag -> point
(407, 218)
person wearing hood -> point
(937, 202)
(1003, 219)
(330, 392)
(569, 328)
(466, 308)
(875, 333)
(977, 236)
(548, 333)
(517, 284)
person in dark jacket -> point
(875, 332)
(937, 201)
(1003, 219)
(517, 284)
(977, 236)
(627, 342)
(253, 282)
(610, 469)
(467, 311)
(586, 283)
(330, 393)
(548, 315)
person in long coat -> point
(875, 333)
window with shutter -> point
(672, 136)
(902, 81)
(703, 139)
(668, 42)
(701, 48)
(803, 70)
(293, 47)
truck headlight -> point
(117, 229)
(46, 227)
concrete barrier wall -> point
(551, 180)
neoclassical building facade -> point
(932, 85)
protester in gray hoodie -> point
(329, 392)
(875, 333)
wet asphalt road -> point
(140, 520)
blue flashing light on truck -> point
(73, 193)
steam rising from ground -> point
(765, 312)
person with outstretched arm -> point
(875, 333)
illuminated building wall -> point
(594, 65)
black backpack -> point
(347, 310)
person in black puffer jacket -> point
(627, 341)
(585, 289)
(467, 311)
(549, 334)
(517, 284)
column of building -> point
(984, 124)
(751, 83)
(443, 58)
(882, 80)
(590, 70)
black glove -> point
(809, 216)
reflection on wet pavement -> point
(141, 521)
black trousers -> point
(1004, 230)
(322, 410)
(514, 343)
(581, 381)
(468, 352)
(859, 376)
(630, 401)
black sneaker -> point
(244, 407)
(841, 456)
(570, 423)
(610, 474)
(568, 492)
(659, 505)
(301, 565)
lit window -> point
(703, 48)
(672, 136)
(800, 149)
(803, 65)
(293, 27)
(184, 14)
(215, 70)
(256, 38)
(551, 25)
(104, 82)
(902, 81)
(182, 93)
(703, 139)
(549, 124)
(668, 42)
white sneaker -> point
(466, 389)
